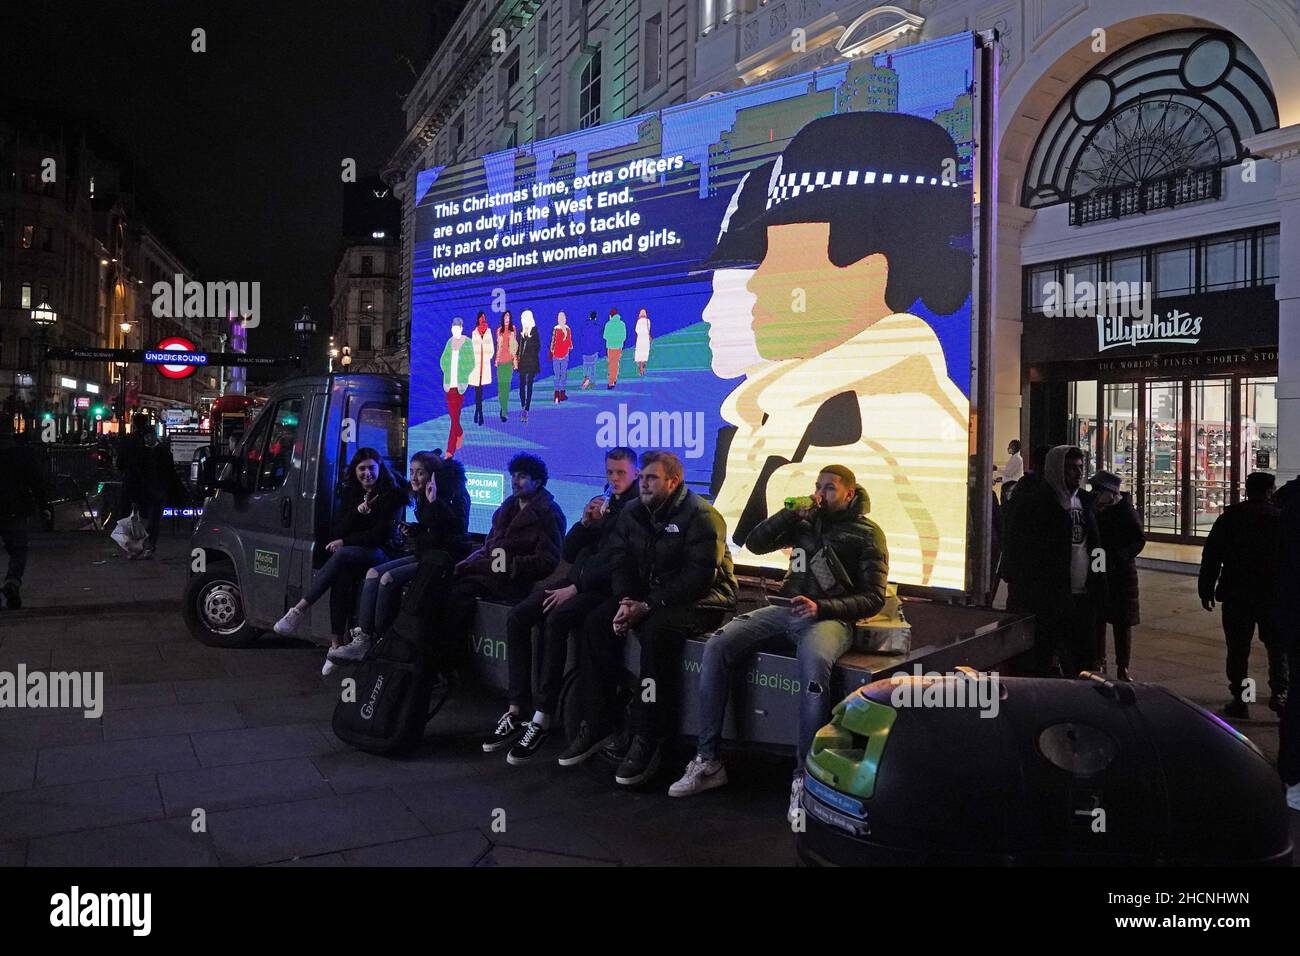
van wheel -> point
(214, 610)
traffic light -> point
(98, 412)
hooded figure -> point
(1288, 625)
(1058, 549)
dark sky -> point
(239, 148)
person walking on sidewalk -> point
(1122, 540)
(615, 337)
(561, 346)
(1238, 569)
(480, 376)
(642, 351)
(148, 477)
(1287, 610)
(22, 490)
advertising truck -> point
(764, 282)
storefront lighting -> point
(92, 388)
(66, 382)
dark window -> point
(509, 73)
(26, 301)
(458, 134)
(45, 293)
(27, 237)
(1224, 264)
(543, 40)
(652, 51)
(367, 300)
(1175, 273)
(367, 265)
(47, 239)
(24, 353)
(589, 93)
(365, 341)
(282, 449)
(1040, 277)
(1083, 270)
(1268, 253)
(539, 127)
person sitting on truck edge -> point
(839, 564)
(366, 519)
(437, 489)
(559, 611)
(672, 577)
(522, 547)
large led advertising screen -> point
(763, 282)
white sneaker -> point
(796, 793)
(290, 622)
(700, 775)
(328, 668)
(1293, 796)
(354, 650)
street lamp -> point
(304, 327)
(44, 317)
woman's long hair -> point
(431, 463)
(383, 483)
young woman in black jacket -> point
(437, 490)
(366, 520)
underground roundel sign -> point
(183, 347)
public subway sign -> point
(1175, 326)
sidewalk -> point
(244, 736)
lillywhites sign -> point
(1174, 326)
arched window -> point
(1151, 126)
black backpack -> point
(394, 699)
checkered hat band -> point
(790, 185)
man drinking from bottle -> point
(838, 567)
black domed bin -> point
(1082, 772)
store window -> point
(1083, 421)
(1258, 428)
(1268, 254)
(1175, 272)
(1040, 277)
(1211, 455)
(1086, 273)
(1162, 505)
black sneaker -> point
(582, 746)
(1277, 703)
(508, 728)
(526, 747)
(616, 750)
(1236, 709)
(642, 762)
(12, 594)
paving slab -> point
(17, 771)
(57, 728)
(171, 719)
(43, 811)
(253, 744)
(283, 831)
(82, 763)
(462, 848)
(242, 785)
(157, 843)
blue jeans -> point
(818, 645)
(381, 593)
(340, 576)
(589, 365)
(561, 368)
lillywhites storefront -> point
(1181, 405)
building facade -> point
(72, 239)
(1144, 142)
(365, 327)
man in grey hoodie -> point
(1062, 564)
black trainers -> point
(509, 727)
(641, 763)
(526, 747)
(1236, 709)
(1277, 703)
(582, 746)
(616, 750)
(13, 594)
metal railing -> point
(1176, 189)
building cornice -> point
(1275, 144)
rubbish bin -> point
(974, 770)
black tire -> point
(214, 611)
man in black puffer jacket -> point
(672, 577)
(560, 610)
(839, 564)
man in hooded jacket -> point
(1060, 564)
(1287, 609)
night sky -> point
(237, 149)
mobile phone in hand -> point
(779, 600)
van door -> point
(377, 420)
(272, 475)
